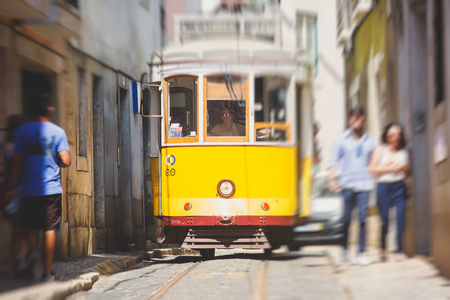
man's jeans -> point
(352, 198)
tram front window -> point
(182, 99)
(226, 106)
(270, 109)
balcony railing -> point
(349, 14)
(24, 9)
(360, 8)
(62, 20)
(343, 22)
(198, 28)
(340, 20)
(52, 18)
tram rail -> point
(258, 291)
(160, 292)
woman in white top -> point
(390, 163)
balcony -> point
(62, 20)
(343, 28)
(189, 28)
(360, 8)
(51, 18)
(24, 9)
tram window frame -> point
(265, 113)
(195, 102)
(246, 95)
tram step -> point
(206, 239)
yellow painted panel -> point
(307, 171)
(261, 174)
(154, 166)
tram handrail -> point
(147, 86)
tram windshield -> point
(270, 109)
(225, 115)
(226, 106)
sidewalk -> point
(77, 274)
(413, 278)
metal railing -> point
(340, 17)
(355, 4)
(192, 28)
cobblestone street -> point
(312, 273)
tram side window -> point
(182, 99)
(270, 109)
(226, 105)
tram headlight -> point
(188, 206)
(226, 188)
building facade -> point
(422, 31)
(414, 42)
(309, 27)
(85, 57)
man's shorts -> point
(43, 212)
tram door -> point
(305, 147)
(151, 110)
(151, 106)
(299, 137)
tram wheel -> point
(268, 253)
(294, 247)
(207, 254)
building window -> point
(306, 30)
(82, 114)
(71, 5)
(439, 52)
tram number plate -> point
(309, 227)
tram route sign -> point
(175, 132)
(170, 160)
(170, 172)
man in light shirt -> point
(351, 154)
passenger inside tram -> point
(228, 126)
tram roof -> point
(226, 49)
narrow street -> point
(311, 273)
(136, 135)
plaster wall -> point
(121, 34)
(328, 81)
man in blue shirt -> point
(41, 148)
(350, 156)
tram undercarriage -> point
(208, 238)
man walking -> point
(351, 155)
(41, 148)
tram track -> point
(259, 286)
(160, 292)
(258, 289)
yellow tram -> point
(234, 164)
